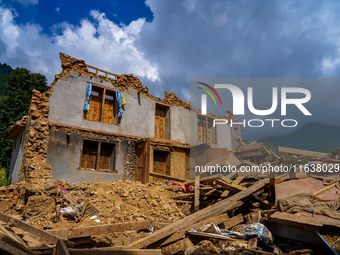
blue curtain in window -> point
(88, 94)
(119, 100)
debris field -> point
(288, 213)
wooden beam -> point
(181, 245)
(197, 194)
(42, 234)
(115, 251)
(230, 186)
(212, 211)
(290, 160)
(319, 192)
(147, 161)
(307, 219)
(222, 220)
(225, 193)
(13, 246)
(210, 235)
(99, 230)
(184, 196)
(184, 202)
(237, 180)
(6, 248)
(302, 152)
(61, 248)
(229, 223)
(294, 231)
(168, 177)
(9, 232)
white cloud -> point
(189, 39)
(100, 42)
(57, 10)
(28, 2)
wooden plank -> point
(290, 160)
(101, 70)
(184, 202)
(103, 119)
(147, 161)
(61, 248)
(81, 240)
(302, 152)
(237, 180)
(42, 234)
(121, 241)
(274, 155)
(216, 220)
(197, 194)
(184, 196)
(9, 232)
(225, 193)
(210, 235)
(140, 161)
(214, 210)
(115, 251)
(222, 220)
(324, 190)
(181, 245)
(99, 230)
(294, 231)
(307, 218)
(229, 223)
(10, 243)
(230, 186)
(167, 177)
(211, 192)
(6, 248)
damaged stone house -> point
(94, 125)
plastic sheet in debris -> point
(248, 231)
(68, 211)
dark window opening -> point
(161, 163)
(98, 156)
(206, 132)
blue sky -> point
(48, 13)
(167, 42)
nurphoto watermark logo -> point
(238, 104)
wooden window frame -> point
(102, 106)
(199, 116)
(98, 156)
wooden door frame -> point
(146, 155)
(167, 112)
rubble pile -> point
(212, 214)
(42, 204)
(172, 99)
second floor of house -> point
(88, 102)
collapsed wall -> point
(36, 136)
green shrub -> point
(4, 180)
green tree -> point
(14, 105)
(4, 71)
